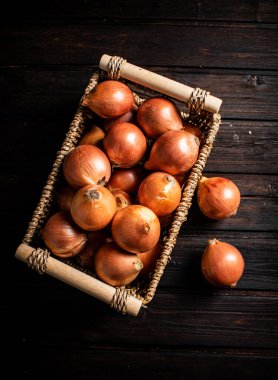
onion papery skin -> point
(194, 131)
(86, 165)
(129, 117)
(160, 192)
(62, 236)
(95, 240)
(64, 197)
(125, 145)
(222, 264)
(109, 99)
(127, 180)
(158, 115)
(93, 207)
(174, 152)
(115, 266)
(218, 198)
(136, 229)
(94, 136)
(149, 259)
(122, 199)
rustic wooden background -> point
(190, 330)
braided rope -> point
(37, 260)
(115, 67)
(119, 299)
(197, 100)
(76, 128)
(182, 210)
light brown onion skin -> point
(64, 197)
(96, 239)
(194, 131)
(218, 197)
(115, 266)
(129, 117)
(62, 236)
(150, 258)
(127, 180)
(93, 207)
(109, 99)
(94, 136)
(86, 165)
(222, 264)
(157, 116)
(160, 192)
(174, 152)
(122, 199)
(125, 145)
(136, 229)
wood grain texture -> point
(48, 52)
(45, 43)
(144, 362)
(203, 318)
(49, 93)
(239, 10)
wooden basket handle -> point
(80, 280)
(160, 83)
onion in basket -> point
(174, 152)
(109, 99)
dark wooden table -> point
(190, 330)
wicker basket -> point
(203, 113)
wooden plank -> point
(51, 93)
(258, 249)
(240, 147)
(222, 319)
(69, 44)
(238, 10)
(142, 362)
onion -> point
(86, 165)
(150, 258)
(109, 99)
(160, 192)
(122, 199)
(93, 207)
(127, 180)
(218, 197)
(136, 229)
(125, 145)
(115, 266)
(62, 236)
(157, 116)
(129, 117)
(194, 131)
(64, 198)
(95, 240)
(175, 152)
(222, 264)
(94, 136)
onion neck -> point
(92, 194)
(203, 179)
(213, 241)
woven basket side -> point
(75, 130)
(183, 208)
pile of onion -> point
(124, 183)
